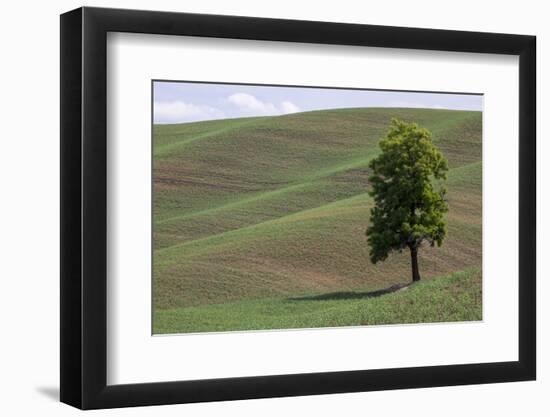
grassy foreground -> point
(456, 297)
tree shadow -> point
(351, 295)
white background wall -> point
(29, 225)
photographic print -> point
(286, 207)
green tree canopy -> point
(408, 191)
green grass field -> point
(257, 219)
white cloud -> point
(289, 107)
(180, 111)
(236, 105)
(250, 105)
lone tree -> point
(408, 208)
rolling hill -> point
(260, 210)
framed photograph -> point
(257, 208)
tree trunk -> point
(414, 262)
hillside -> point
(456, 297)
(278, 206)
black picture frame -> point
(84, 207)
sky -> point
(183, 102)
